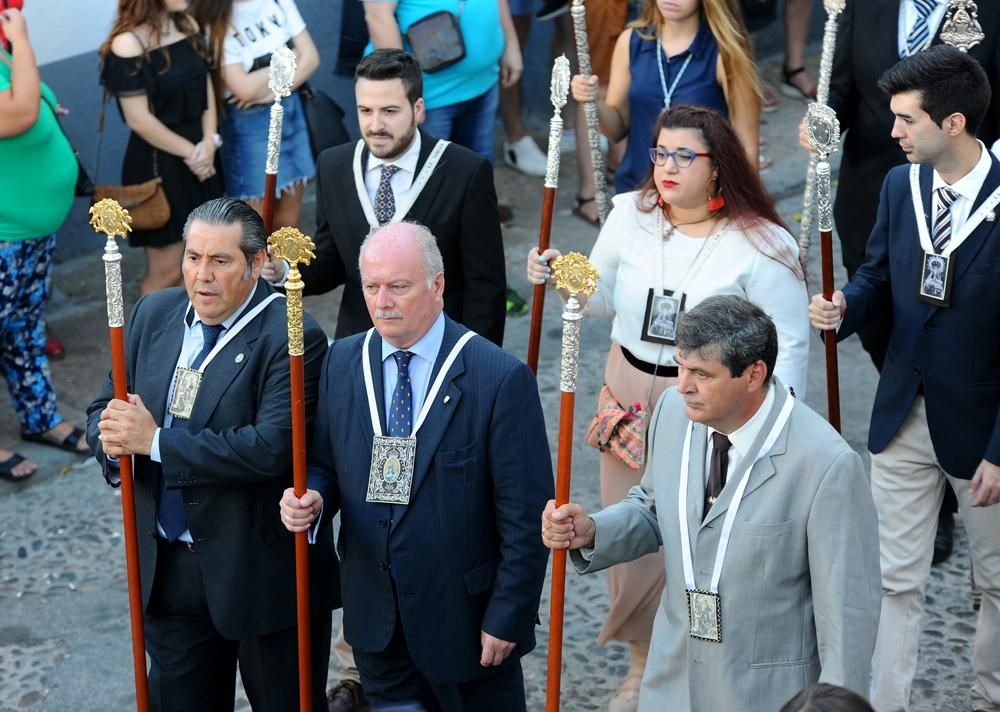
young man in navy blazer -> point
(936, 418)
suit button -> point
(382, 566)
(928, 327)
(916, 371)
(152, 534)
(382, 523)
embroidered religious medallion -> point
(391, 475)
(187, 381)
(663, 311)
(704, 615)
(934, 285)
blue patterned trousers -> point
(25, 273)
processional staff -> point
(559, 89)
(283, 66)
(824, 138)
(574, 273)
(295, 248)
(590, 110)
(113, 220)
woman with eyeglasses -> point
(700, 225)
(676, 52)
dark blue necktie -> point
(401, 409)
(920, 34)
(170, 507)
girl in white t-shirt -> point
(243, 34)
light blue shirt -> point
(908, 18)
(425, 353)
(194, 340)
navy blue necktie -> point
(401, 409)
(170, 506)
(920, 34)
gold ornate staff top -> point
(574, 273)
(558, 91)
(282, 75)
(961, 28)
(113, 220)
(294, 248)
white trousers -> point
(908, 486)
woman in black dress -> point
(155, 64)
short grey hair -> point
(230, 211)
(433, 263)
(732, 329)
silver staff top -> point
(283, 66)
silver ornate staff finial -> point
(578, 13)
(282, 75)
(559, 93)
(961, 27)
(833, 9)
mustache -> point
(379, 134)
(387, 314)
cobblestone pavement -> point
(64, 635)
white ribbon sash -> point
(734, 505)
(235, 329)
(402, 206)
(431, 394)
(957, 238)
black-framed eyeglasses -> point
(682, 157)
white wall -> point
(60, 29)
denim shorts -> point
(523, 7)
(244, 149)
(470, 123)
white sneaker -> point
(524, 155)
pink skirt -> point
(634, 588)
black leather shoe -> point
(944, 541)
(347, 696)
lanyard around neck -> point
(734, 505)
(431, 394)
(668, 94)
(957, 238)
(236, 329)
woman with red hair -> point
(700, 225)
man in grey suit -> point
(772, 576)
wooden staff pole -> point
(559, 86)
(826, 261)
(578, 12)
(577, 275)
(109, 217)
(292, 246)
(282, 75)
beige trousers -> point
(342, 651)
(908, 486)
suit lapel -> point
(226, 365)
(696, 479)
(763, 470)
(374, 357)
(966, 253)
(427, 144)
(161, 354)
(439, 416)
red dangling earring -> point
(660, 201)
(717, 203)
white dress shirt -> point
(403, 179)
(425, 352)
(625, 256)
(967, 187)
(908, 16)
(741, 439)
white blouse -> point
(626, 254)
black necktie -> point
(717, 470)
(170, 506)
(385, 201)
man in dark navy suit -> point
(429, 440)
(936, 418)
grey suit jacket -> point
(800, 589)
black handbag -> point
(324, 119)
(84, 185)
